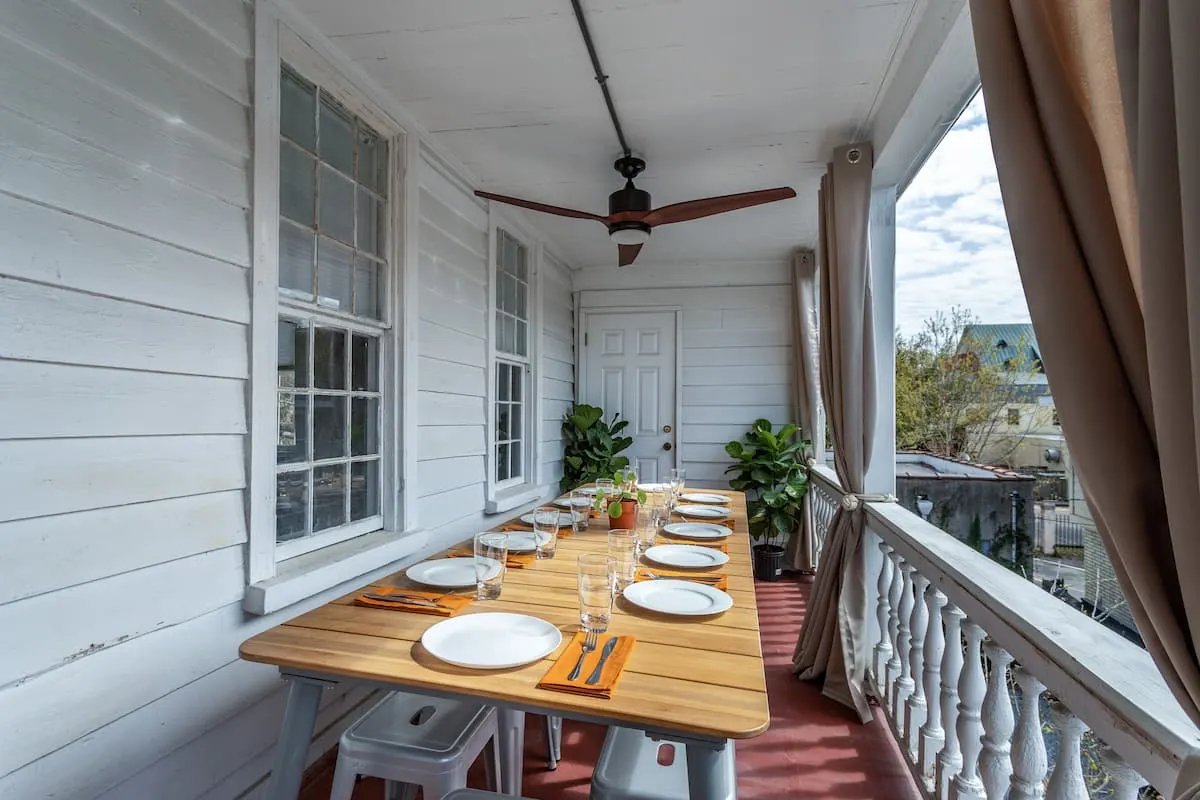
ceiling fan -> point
(630, 217)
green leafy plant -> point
(591, 445)
(625, 488)
(770, 466)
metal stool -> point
(629, 769)
(479, 794)
(421, 741)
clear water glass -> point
(581, 509)
(647, 527)
(622, 554)
(677, 476)
(545, 531)
(491, 554)
(595, 592)
(631, 480)
(605, 487)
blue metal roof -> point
(1002, 345)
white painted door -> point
(630, 369)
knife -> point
(405, 599)
(609, 646)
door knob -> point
(666, 428)
(666, 446)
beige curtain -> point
(802, 549)
(1094, 110)
(832, 645)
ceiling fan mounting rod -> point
(601, 78)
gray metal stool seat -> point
(421, 741)
(629, 769)
(480, 794)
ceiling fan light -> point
(635, 233)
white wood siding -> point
(557, 363)
(736, 347)
(124, 303)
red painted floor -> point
(815, 748)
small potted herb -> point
(770, 466)
(622, 505)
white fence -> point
(964, 650)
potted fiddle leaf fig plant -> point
(772, 471)
(591, 446)
(622, 504)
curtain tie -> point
(853, 502)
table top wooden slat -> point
(698, 675)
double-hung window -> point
(512, 454)
(333, 320)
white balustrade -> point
(932, 736)
(893, 664)
(914, 713)
(966, 785)
(904, 684)
(1028, 746)
(950, 759)
(883, 648)
(995, 761)
(1066, 781)
(942, 609)
(1124, 782)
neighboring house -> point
(1023, 433)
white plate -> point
(679, 598)
(686, 556)
(523, 541)
(445, 573)
(697, 530)
(704, 497)
(703, 512)
(491, 641)
(564, 518)
(652, 487)
(577, 502)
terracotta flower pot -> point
(628, 518)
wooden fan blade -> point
(626, 253)
(542, 207)
(695, 209)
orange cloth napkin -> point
(447, 604)
(555, 678)
(717, 580)
(515, 560)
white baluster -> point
(914, 714)
(932, 736)
(883, 648)
(950, 758)
(893, 664)
(904, 684)
(1066, 781)
(1124, 782)
(1028, 746)
(995, 763)
(966, 784)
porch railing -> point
(987, 681)
(822, 503)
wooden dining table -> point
(697, 681)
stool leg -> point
(396, 790)
(511, 725)
(553, 741)
(442, 785)
(343, 781)
(491, 764)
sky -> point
(952, 245)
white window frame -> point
(508, 494)
(277, 44)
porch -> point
(225, 400)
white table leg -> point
(704, 771)
(295, 735)
(511, 726)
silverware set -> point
(589, 645)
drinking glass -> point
(631, 480)
(647, 530)
(677, 476)
(545, 531)
(605, 486)
(581, 509)
(595, 592)
(491, 554)
(622, 554)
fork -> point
(589, 644)
(654, 576)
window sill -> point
(303, 576)
(515, 496)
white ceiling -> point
(718, 96)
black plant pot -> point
(768, 561)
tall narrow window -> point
(333, 274)
(511, 398)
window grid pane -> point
(509, 421)
(329, 443)
(512, 296)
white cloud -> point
(952, 243)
